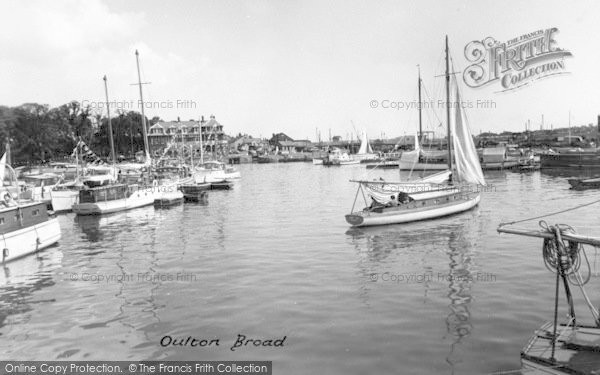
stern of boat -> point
(355, 219)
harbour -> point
(298, 188)
(343, 295)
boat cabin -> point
(106, 193)
(45, 179)
(13, 217)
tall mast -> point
(448, 107)
(110, 132)
(420, 109)
(144, 131)
(569, 127)
(8, 153)
(201, 145)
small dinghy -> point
(584, 184)
(221, 185)
(195, 192)
(168, 200)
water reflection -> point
(97, 228)
(427, 245)
(21, 278)
(460, 279)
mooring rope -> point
(551, 214)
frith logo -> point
(514, 63)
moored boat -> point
(114, 198)
(221, 185)
(396, 203)
(571, 158)
(195, 192)
(215, 171)
(42, 185)
(25, 225)
(337, 157)
(584, 184)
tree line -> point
(39, 133)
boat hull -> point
(215, 176)
(195, 192)
(29, 240)
(408, 166)
(584, 184)
(571, 160)
(168, 198)
(63, 200)
(221, 185)
(416, 210)
(138, 199)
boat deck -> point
(577, 350)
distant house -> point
(187, 133)
(279, 137)
(247, 143)
(287, 145)
(294, 146)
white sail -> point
(465, 156)
(365, 147)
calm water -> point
(274, 257)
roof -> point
(187, 124)
(175, 124)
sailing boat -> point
(365, 152)
(115, 197)
(419, 159)
(402, 202)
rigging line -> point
(551, 214)
(433, 107)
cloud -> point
(36, 32)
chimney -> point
(212, 117)
(202, 120)
(178, 120)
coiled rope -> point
(566, 256)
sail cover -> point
(411, 156)
(467, 161)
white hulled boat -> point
(339, 157)
(215, 171)
(115, 197)
(65, 195)
(25, 225)
(170, 179)
(401, 202)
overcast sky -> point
(267, 66)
